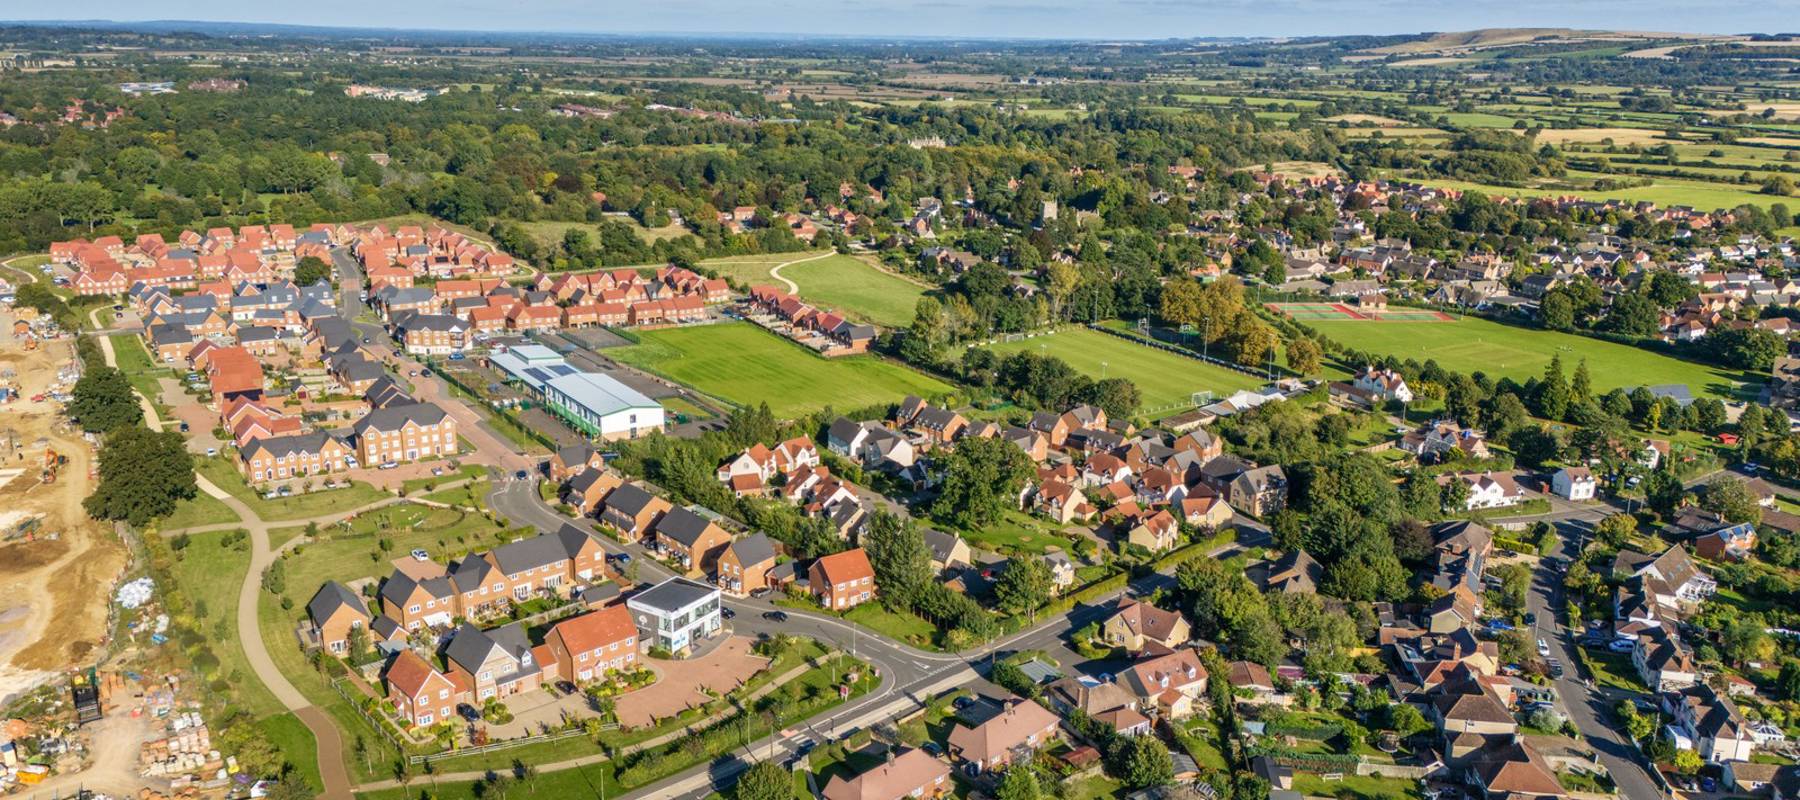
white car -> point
(420, 555)
(1543, 648)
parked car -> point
(567, 688)
(1620, 645)
(468, 712)
(456, 356)
(212, 451)
(759, 593)
(419, 554)
(1543, 647)
(1556, 668)
(726, 612)
(184, 427)
(775, 616)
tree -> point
(900, 557)
(1405, 720)
(143, 475)
(1119, 397)
(981, 477)
(1581, 387)
(1557, 311)
(1142, 762)
(311, 270)
(1303, 356)
(1024, 585)
(103, 401)
(1787, 683)
(1732, 499)
(1553, 392)
(1688, 762)
(1019, 783)
(765, 780)
(1664, 492)
(1616, 530)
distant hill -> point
(1486, 38)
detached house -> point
(418, 692)
(334, 612)
(1173, 685)
(842, 581)
(1140, 627)
(745, 564)
(912, 774)
(1574, 483)
(1258, 492)
(589, 646)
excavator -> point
(53, 461)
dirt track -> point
(66, 579)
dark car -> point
(468, 712)
(520, 475)
(775, 616)
(566, 687)
(727, 613)
(961, 703)
(1530, 618)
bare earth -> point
(67, 579)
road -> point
(1590, 709)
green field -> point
(1662, 191)
(838, 282)
(745, 364)
(1472, 344)
(1166, 380)
(859, 290)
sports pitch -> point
(1166, 381)
(1313, 312)
(1472, 344)
(747, 365)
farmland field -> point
(745, 364)
(1164, 379)
(1472, 344)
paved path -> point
(330, 743)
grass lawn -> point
(135, 362)
(860, 290)
(1166, 381)
(291, 737)
(1094, 787)
(347, 553)
(747, 365)
(1018, 532)
(907, 628)
(204, 509)
(1472, 344)
(751, 270)
(1356, 787)
(470, 471)
(1614, 670)
(305, 505)
(210, 571)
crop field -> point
(1472, 344)
(744, 364)
(1165, 380)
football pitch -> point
(1472, 344)
(1167, 381)
(747, 365)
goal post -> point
(1202, 398)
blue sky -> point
(974, 18)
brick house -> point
(588, 646)
(404, 433)
(744, 565)
(842, 581)
(418, 692)
(334, 612)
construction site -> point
(57, 566)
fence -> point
(505, 745)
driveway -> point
(679, 682)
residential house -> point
(1016, 733)
(745, 564)
(632, 511)
(947, 550)
(1173, 684)
(1259, 492)
(334, 612)
(1140, 627)
(693, 541)
(589, 646)
(914, 773)
(1295, 572)
(590, 488)
(404, 433)
(1663, 661)
(418, 692)
(494, 663)
(842, 581)
(1156, 531)
(1487, 489)
(1708, 723)
(1574, 483)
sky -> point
(1085, 19)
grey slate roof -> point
(672, 595)
(331, 597)
(754, 549)
(399, 586)
(628, 499)
(393, 418)
(682, 525)
(294, 444)
(528, 554)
